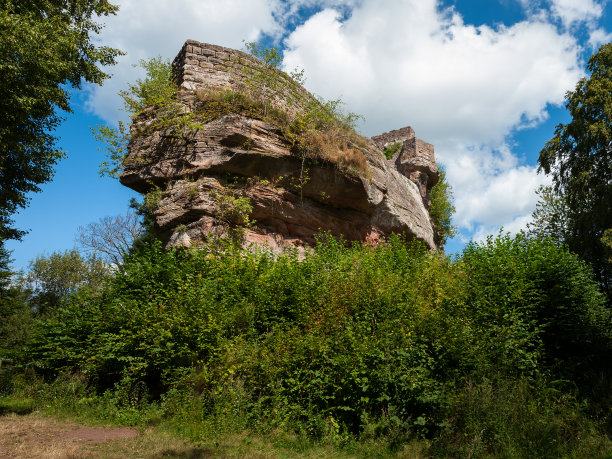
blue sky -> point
(483, 81)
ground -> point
(36, 436)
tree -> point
(550, 218)
(5, 270)
(579, 158)
(52, 278)
(157, 90)
(15, 315)
(264, 80)
(46, 47)
(441, 210)
(111, 237)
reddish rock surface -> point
(293, 199)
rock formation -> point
(233, 169)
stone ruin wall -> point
(415, 159)
(387, 139)
(203, 66)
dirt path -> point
(34, 436)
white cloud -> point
(568, 12)
(462, 88)
(147, 28)
(575, 11)
(598, 37)
(513, 227)
(492, 187)
(400, 62)
(289, 11)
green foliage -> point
(157, 92)
(320, 130)
(392, 149)
(52, 278)
(534, 288)
(45, 48)
(271, 56)
(234, 211)
(5, 268)
(15, 320)
(115, 142)
(441, 210)
(579, 158)
(264, 81)
(323, 115)
(606, 240)
(346, 343)
(145, 210)
(551, 216)
(15, 313)
(517, 419)
(215, 104)
(323, 131)
(15, 405)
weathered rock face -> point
(213, 173)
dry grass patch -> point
(35, 436)
(337, 147)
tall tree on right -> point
(579, 159)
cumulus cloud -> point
(290, 12)
(598, 37)
(495, 187)
(407, 62)
(147, 28)
(463, 88)
(571, 11)
(572, 14)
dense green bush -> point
(518, 419)
(544, 290)
(348, 341)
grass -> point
(36, 435)
(16, 405)
(334, 147)
(41, 435)
(392, 149)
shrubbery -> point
(362, 342)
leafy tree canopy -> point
(46, 48)
(157, 89)
(52, 278)
(550, 217)
(579, 158)
(442, 210)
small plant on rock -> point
(234, 211)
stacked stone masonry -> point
(415, 159)
(202, 66)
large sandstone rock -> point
(237, 158)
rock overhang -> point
(292, 197)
